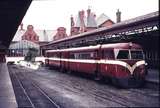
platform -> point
(153, 76)
(7, 96)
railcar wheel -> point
(114, 81)
(50, 67)
(107, 80)
(69, 71)
(65, 70)
(98, 76)
(61, 70)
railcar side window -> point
(55, 55)
(109, 54)
(71, 56)
(76, 55)
(63, 56)
(84, 56)
(49, 54)
(137, 55)
(123, 54)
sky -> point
(51, 14)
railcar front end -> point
(129, 68)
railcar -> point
(123, 63)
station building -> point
(29, 38)
(87, 22)
(61, 33)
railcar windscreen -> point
(123, 54)
(137, 55)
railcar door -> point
(64, 61)
(108, 68)
(46, 59)
(55, 59)
(72, 61)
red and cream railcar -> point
(53, 58)
(122, 62)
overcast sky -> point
(50, 14)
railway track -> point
(28, 94)
(107, 93)
(145, 91)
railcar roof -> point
(122, 46)
(75, 49)
(111, 46)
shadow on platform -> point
(153, 76)
(7, 96)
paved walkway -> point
(153, 75)
(7, 96)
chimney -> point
(82, 23)
(94, 15)
(81, 14)
(45, 36)
(72, 21)
(118, 15)
(88, 12)
(21, 26)
(30, 27)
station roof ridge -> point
(126, 22)
(47, 36)
(102, 18)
